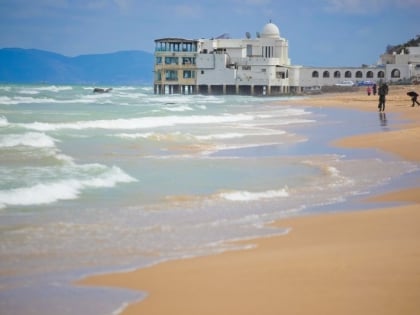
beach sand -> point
(360, 262)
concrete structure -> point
(258, 66)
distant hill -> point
(414, 42)
(38, 66)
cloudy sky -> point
(320, 32)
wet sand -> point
(361, 262)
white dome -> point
(270, 30)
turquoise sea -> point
(93, 183)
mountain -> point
(398, 48)
(37, 66)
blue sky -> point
(320, 32)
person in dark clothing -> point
(374, 89)
(382, 92)
(413, 96)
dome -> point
(270, 30)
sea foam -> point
(3, 121)
(244, 195)
(66, 189)
(137, 123)
(30, 139)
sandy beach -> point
(360, 262)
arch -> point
(326, 74)
(315, 74)
(369, 74)
(381, 74)
(337, 74)
(359, 74)
(395, 73)
(347, 74)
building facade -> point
(258, 66)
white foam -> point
(137, 123)
(182, 108)
(30, 139)
(153, 136)
(54, 88)
(3, 121)
(243, 195)
(235, 135)
(49, 192)
(29, 91)
(5, 100)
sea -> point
(97, 183)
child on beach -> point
(413, 96)
(374, 89)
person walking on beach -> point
(413, 96)
(374, 89)
(369, 90)
(382, 92)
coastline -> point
(363, 262)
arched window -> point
(381, 74)
(395, 73)
(347, 74)
(359, 74)
(337, 74)
(369, 74)
(326, 74)
(315, 74)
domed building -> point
(223, 65)
(249, 66)
(270, 30)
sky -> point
(319, 32)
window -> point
(246, 67)
(315, 74)
(188, 74)
(171, 60)
(359, 74)
(188, 60)
(337, 74)
(381, 74)
(395, 73)
(280, 75)
(369, 74)
(248, 50)
(326, 74)
(347, 74)
(158, 60)
(171, 75)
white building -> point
(258, 66)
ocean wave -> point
(154, 136)
(29, 139)
(235, 135)
(243, 195)
(137, 123)
(66, 189)
(29, 91)
(3, 121)
(16, 100)
(54, 88)
(181, 108)
(6, 100)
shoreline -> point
(363, 262)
